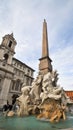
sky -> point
(25, 19)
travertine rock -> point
(10, 113)
(52, 111)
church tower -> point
(7, 48)
(45, 61)
(7, 51)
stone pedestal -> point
(45, 65)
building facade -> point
(13, 73)
(69, 94)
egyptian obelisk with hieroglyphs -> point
(45, 61)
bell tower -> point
(7, 48)
(45, 61)
(7, 51)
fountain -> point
(44, 104)
(44, 98)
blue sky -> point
(25, 17)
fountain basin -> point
(31, 123)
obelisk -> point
(45, 61)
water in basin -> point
(31, 123)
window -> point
(13, 85)
(17, 85)
(27, 80)
(5, 58)
(20, 66)
(31, 73)
(28, 72)
(20, 87)
(24, 68)
(10, 44)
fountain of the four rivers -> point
(44, 105)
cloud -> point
(62, 61)
(24, 18)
